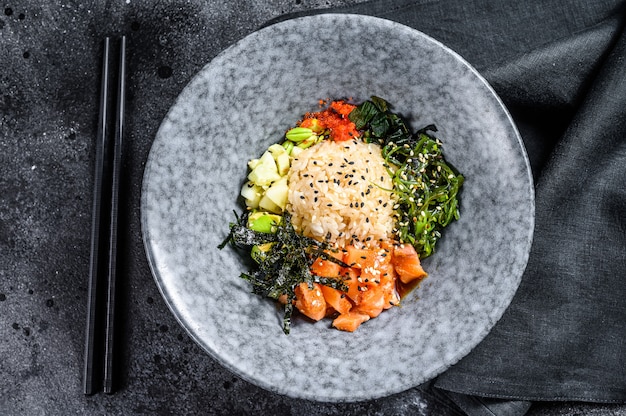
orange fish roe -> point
(334, 118)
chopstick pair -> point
(100, 330)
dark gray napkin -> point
(560, 67)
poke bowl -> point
(241, 103)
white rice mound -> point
(342, 190)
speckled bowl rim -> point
(168, 289)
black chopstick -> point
(100, 327)
(117, 160)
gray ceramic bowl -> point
(237, 106)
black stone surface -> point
(49, 83)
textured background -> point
(50, 58)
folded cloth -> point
(560, 68)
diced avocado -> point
(278, 192)
(252, 194)
(263, 222)
(259, 252)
